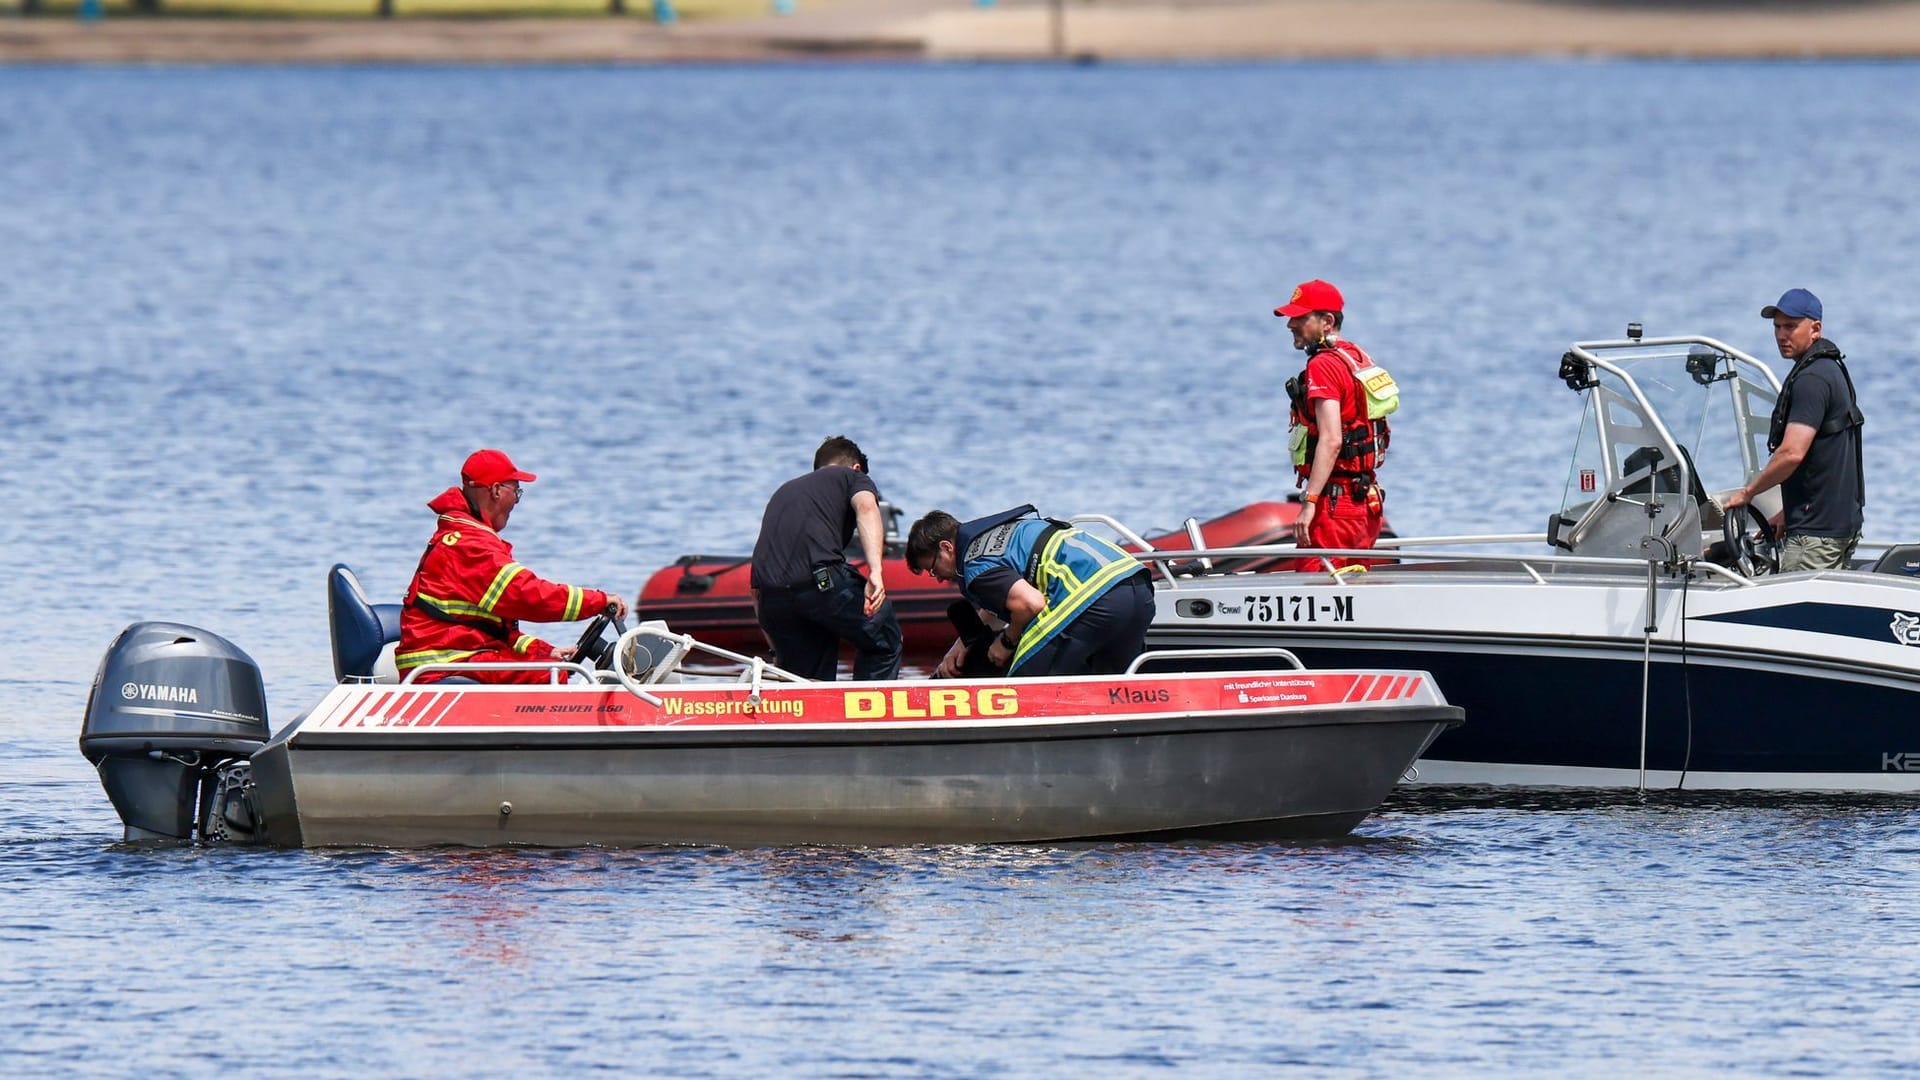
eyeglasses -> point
(515, 486)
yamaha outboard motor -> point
(172, 717)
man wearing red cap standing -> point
(469, 595)
(1339, 430)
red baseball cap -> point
(1310, 296)
(491, 467)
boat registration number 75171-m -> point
(1266, 608)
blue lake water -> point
(253, 319)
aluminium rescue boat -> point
(627, 755)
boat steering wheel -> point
(1755, 553)
(594, 650)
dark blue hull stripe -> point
(1840, 620)
(1551, 702)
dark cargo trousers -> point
(807, 625)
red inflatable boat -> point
(706, 595)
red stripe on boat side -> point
(407, 711)
(417, 711)
(362, 707)
(1362, 684)
(996, 702)
(448, 701)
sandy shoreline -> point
(1010, 30)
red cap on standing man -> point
(1309, 297)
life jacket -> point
(1853, 421)
(1070, 567)
(1364, 431)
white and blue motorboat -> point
(1643, 638)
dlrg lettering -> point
(931, 704)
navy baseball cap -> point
(1794, 304)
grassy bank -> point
(436, 9)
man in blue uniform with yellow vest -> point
(1073, 603)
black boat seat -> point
(1605, 527)
(362, 631)
(1666, 480)
(1899, 559)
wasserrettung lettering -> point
(710, 707)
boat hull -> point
(1738, 695)
(1276, 755)
(1258, 777)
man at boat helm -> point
(1815, 440)
(469, 595)
(1073, 603)
(1338, 433)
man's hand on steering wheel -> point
(1753, 553)
(592, 648)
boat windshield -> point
(1680, 416)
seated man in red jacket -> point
(469, 595)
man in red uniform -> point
(469, 595)
(1343, 444)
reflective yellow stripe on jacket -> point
(407, 661)
(460, 609)
(1079, 593)
(499, 587)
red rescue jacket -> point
(469, 595)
